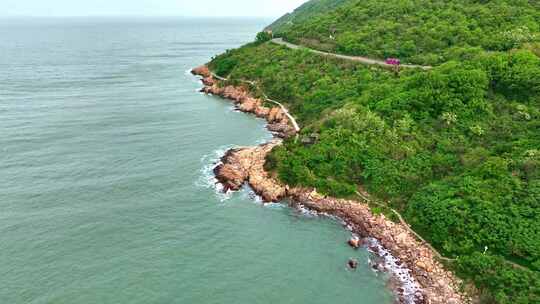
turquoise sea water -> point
(106, 193)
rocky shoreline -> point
(278, 122)
(424, 279)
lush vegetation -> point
(500, 282)
(263, 37)
(456, 149)
(418, 31)
(304, 13)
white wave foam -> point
(275, 205)
(311, 213)
(411, 288)
(248, 194)
(188, 73)
(207, 178)
(194, 78)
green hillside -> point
(304, 13)
(417, 31)
(456, 149)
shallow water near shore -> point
(105, 176)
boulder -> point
(354, 242)
(208, 81)
(202, 71)
(248, 104)
(247, 165)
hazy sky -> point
(269, 8)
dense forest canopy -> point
(417, 31)
(456, 149)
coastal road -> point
(364, 60)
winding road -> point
(364, 60)
(360, 59)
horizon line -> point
(132, 15)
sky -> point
(266, 8)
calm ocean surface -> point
(105, 182)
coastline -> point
(416, 274)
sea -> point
(106, 187)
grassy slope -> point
(456, 149)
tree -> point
(263, 37)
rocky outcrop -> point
(246, 165)
(278, 122)
(202, 71)
(354, 242)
